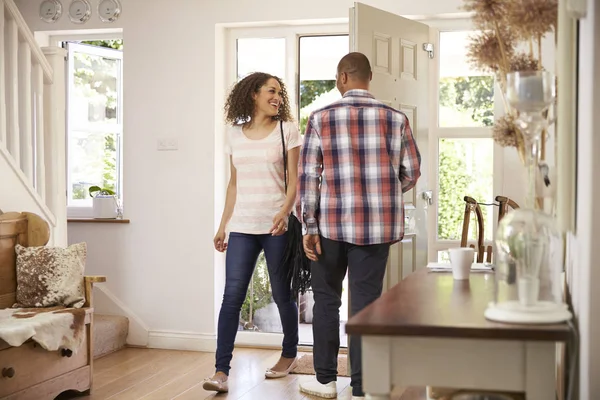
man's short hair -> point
(356, 65)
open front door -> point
(396, 48)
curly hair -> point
(239, 107)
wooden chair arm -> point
(89, 288)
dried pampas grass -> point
(504, 25)
(524, 62)
(484, 51)
(485, 11)
(531, 19)
(505, 132)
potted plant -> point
(104, 202)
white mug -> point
(461, 259)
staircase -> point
(110, 334)
(33, 142)
(32, 124)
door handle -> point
(428, 196)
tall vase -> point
(528, 241)
(533, 198)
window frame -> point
(84, 209)
(292, 35)
(436, 133)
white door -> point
(400, 64)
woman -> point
(256, 212)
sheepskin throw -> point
(53, 328)
(50, 276)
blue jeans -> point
(242, 252)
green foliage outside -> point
(471, 96)
(467, 98)
(259, 294)
(95, 79)
(309, 91)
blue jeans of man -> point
(242, 252)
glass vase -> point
(529, 247)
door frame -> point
(292, 33)
(436, 133)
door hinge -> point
(428, 47)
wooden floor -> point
(149, 374)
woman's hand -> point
(219, 241)
(280, 222)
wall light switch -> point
(164, 144)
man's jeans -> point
(366, 270)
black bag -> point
(294, 256)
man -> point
(358, 158)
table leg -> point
(540, 370)
(377, 367)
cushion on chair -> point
(50, 276)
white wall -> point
(586, 295)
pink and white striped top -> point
(260, 186)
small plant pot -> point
(105, 207)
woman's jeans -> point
(242, 252)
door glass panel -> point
(318, 60)
(465, 169)
(259, 311)
(319, 57)
(466, 94)
(261, 55)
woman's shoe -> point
(270, 374)
(216, 386)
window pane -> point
(466, 95)
(261, 55)
(92, 161)
(319, 57)
(465, 169)
(443, 256)
(95, 92)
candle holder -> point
(529, 246)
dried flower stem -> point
(506, 66)
(539, 43)
(531, 47)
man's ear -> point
(344, 78)
(370, 76)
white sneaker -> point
(315, 388)
(358, 397)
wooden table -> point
(430, 330)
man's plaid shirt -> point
(359, 156)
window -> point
(261, 55)
(466, 96)
(465, 151)
(319, 57)
(95, 121)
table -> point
(430, 330)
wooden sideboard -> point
(430, 330)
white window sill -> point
(98, 220)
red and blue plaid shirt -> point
(359, 156)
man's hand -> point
(312, 246)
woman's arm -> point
(230, 198)
(280, 220)
(292, 167)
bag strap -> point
(284, 156)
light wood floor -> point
(149, 374)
